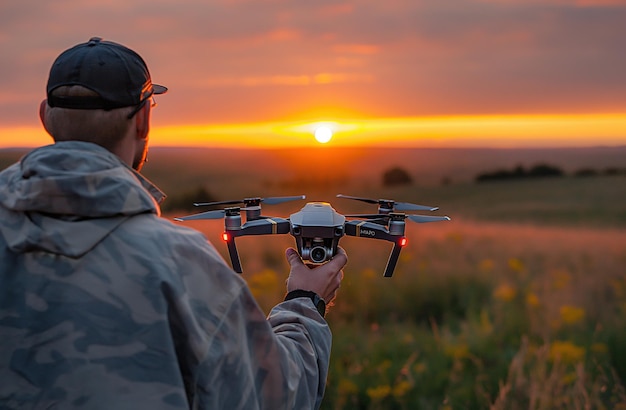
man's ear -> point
(43, 107)
(142, 122)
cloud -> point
(365, 49)
(285, 80)
(393, 57)
(573, 3)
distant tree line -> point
(542, 171)
(519, 172)
(396, 176)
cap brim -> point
(158, 89)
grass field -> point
(478, 315)
(519, 302)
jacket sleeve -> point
(279, 362)
(230, 355)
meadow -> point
(518, 302)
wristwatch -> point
(319, 303)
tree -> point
(396, 176)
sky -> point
(267, 73)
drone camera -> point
(318, 254)
(317, 250)
(319, 244)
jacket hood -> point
(66, 197)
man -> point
(103, 304)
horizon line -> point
(456, 131)
(347, 147)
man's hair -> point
(103, 127)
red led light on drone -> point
(225, 236)
(403, 242)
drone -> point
(317, 227)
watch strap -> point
(319, 303)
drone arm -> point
(265, 226)
(234, 255)
(393, 260)
(371, 230)
(365, 229)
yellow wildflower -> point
(347, 387)
(379, 392)
(457, 351)
(263, 282)
(516, 265)
(566, 352)
(401, 389)
(505, 292)
(532, 300)
(571, 314)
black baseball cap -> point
(116, 73)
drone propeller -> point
(377, 218)
(214, 214)
(253, 201)
(391, 204)
(414, 218)
(427, 218)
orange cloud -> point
(365, 49)
(334, 10)
(594, 3)
(287, 80)
(337, 78)
(282, 34)
(576, 3)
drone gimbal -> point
(317, 227)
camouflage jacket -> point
(104, 304)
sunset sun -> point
(323, 134)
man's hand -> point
(323, 280)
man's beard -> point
(141, 158)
